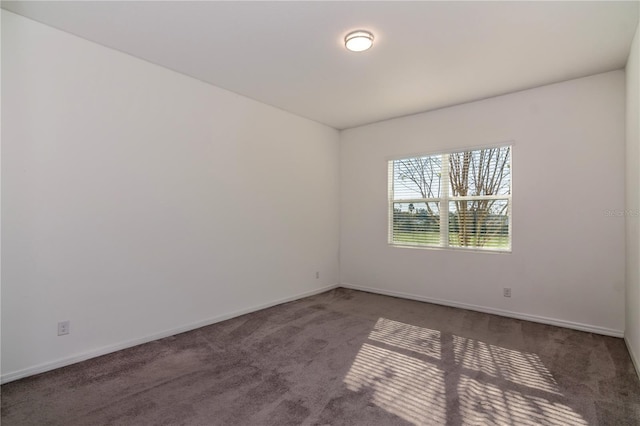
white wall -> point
(632, 324)
(137, 202)
(567, 264)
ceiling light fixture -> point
(358, 41)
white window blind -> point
(457, 199)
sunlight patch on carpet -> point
(518, 367)
(427, 377)
(404, 386)
(485, 403)
(407, 336)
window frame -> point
(445, 199)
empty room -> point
(320, 213)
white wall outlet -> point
(317, 275)
(63, 328)
(506, 292)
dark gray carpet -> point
(344, 357)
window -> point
(457, 200)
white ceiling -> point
(426, 55)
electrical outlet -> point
(317, 275)
(63, 328)
(506, 292)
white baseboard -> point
(63, 362)
(634, 357)
(510, 314)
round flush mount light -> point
(358, 41)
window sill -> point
(456, 249)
